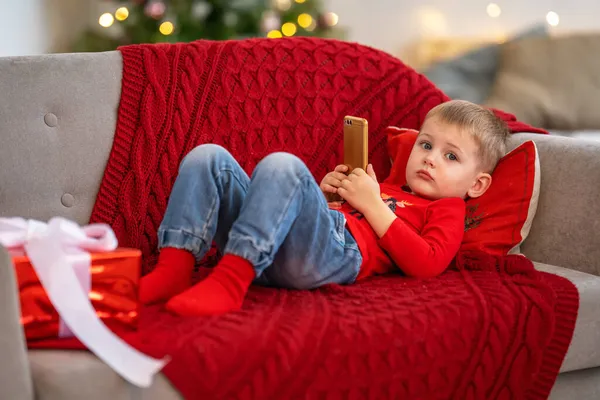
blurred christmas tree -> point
(153, 21)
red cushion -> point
(498, 221)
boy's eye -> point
(426, 145)
(451, 157)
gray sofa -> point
(547, 80)
(57, 123)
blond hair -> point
(490, 132)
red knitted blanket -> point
(492, 327)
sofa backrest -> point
(566, 227)
(57, 121)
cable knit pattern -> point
(491, 327)
(254, 97)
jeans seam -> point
(302, 181)
(208, 218)
(269, 244)
(339, 228)
(231, 172)
(181, 233)
(182, 230)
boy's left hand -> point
(361, 189)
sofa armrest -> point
(584, 351)
(15, 376)
(565, 230)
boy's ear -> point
(481, 184)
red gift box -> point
(113, 294)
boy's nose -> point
(428, 161)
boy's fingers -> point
(341, 168)
(338, 175)
(333, 182)
(335, 179)
(358, 171)
(371, 171)
(328, 188)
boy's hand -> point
(333, 180)
(361, 189)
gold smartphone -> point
(356, 147)
(356, 142)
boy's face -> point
(444, 163)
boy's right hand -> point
(333, 180)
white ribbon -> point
(55, 250)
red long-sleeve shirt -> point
(422, 241)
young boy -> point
(277, 229)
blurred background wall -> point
(41, 26)
(494, 53)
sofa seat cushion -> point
(75, 375)
(65, 375)
(584, 351)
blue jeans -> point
(278, 219)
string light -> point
(122, 13)
(331, 18)
(288, 29)
(155, 9)
(552, 18)
(431, 21)
(274, 34)
(312, 26)
(166, 28)
(493, 10)
(283, 5)
(106, 20)
(300, 1)
(305, 20)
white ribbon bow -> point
(55, 250)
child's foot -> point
(221, 292)
(171, 276)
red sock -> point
(222, 291)
(171, 276)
